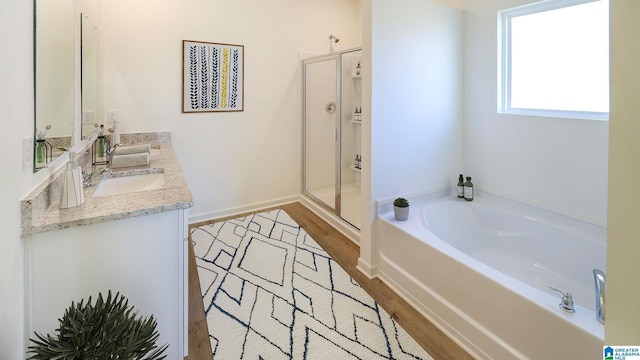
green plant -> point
(401, 202)
(107, 330)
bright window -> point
(554, 59)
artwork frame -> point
(212, 77)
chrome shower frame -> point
(336, 209)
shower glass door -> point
(351, 136)
(321, 145)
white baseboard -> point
(371, 272)
(212, 215)
(335, 221)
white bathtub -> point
(481, 272)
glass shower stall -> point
(332, 122)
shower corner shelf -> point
(358, 122)
(356, 76)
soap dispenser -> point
(115, 138)
(71, 193)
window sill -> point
(581, 115)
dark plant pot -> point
(401, 213)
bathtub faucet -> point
(601, 286)
(566, 303)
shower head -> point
(333, 38)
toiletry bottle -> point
(468, 189)
(461, 186)
(101, 149)
(71, 193)
(115, 138)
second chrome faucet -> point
(600, 280)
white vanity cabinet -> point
(143, 257)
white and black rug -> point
(271, 292)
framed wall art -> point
(213, 77)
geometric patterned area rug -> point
(271, 292)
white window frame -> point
(504, 62)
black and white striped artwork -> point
(213, 77)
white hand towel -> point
(118, 161)
(133, 149)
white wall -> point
(416, 97)
(559, 164)
(416, 101)
(232, 161)
(623, 243)
(16, 113)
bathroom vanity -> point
(134, 243)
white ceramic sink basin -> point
(129, 184)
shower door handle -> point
(330, 107)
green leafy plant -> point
(107, 330)
(401, 202)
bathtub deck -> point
(346, 254)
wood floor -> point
(346, 253)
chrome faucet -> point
(87, 178)
(601, 288)
(111, 150)
(566, 302)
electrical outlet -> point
(87, 117)
(27, 151)
(112, 115)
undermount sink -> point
(129, 184)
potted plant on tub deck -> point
(401, 208)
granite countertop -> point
(41, 212)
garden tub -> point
(482, 270)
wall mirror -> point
(89, 80)
(54, 78)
